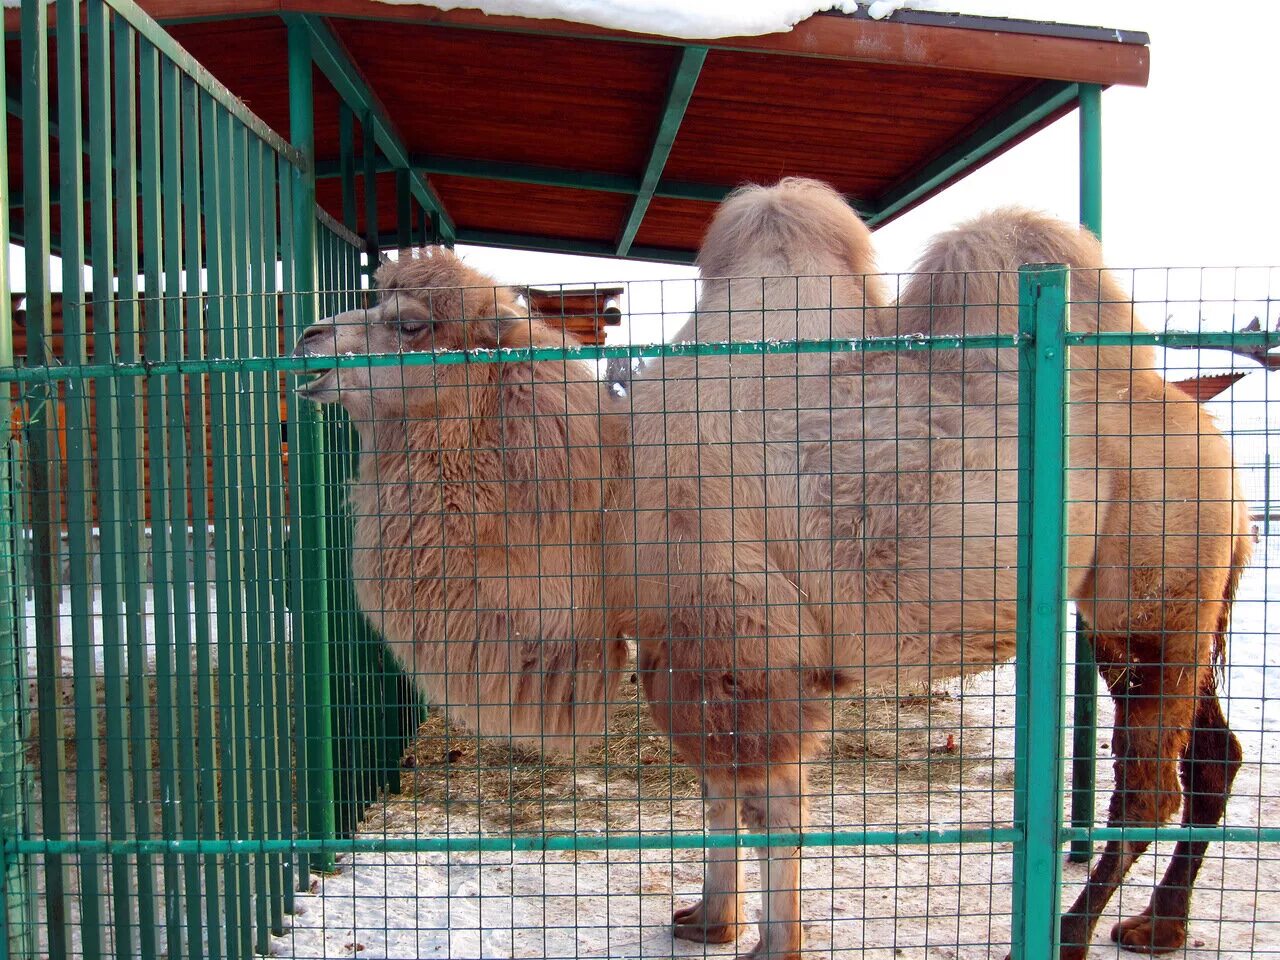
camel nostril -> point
(310, 339)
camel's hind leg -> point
(1155, 705)
(715, 918)
(1212, 760)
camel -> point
(779, 530)
(818, 525)
(477, 549)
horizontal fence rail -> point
(1263, 340)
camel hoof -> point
(1143, 934)
(761, 952)
(701, 933)
(688, 923)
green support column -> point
(369, 171)
(306, 436)
(404, 211)
(1091, 157)
(1037, 868)
(347, 165)
(1085, 703)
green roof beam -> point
(545, 176)
(571, 245)
(1045, 100)
(336, 64)
(679, 93)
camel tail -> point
(1241, 551)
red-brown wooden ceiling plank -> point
(540, 211)
(586, 105)
(859, 127)
(675, 223)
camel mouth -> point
(317, 387)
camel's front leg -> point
(715, 918)
(780, 810)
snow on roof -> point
(712, 19)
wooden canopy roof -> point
(560, 136)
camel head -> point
(429, 301)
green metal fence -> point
(162, 526)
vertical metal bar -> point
(1037, 870)
(17, 936)
(159, 203)
(1266, 496)
(339, 651)
(216, 239)
(128, 454)
(1084, 738)
(199, 775)
(294, 777)
(404, 211)
(370, 172)
(347, 164)
(41, 452)
(255, 563)
(15, 916)
(102, 246)
(228, 179)
(363, 712)
(275, 702)
(308, 460)
(240, 503)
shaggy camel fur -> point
(478, 538)
(792, 527)
(813, 525)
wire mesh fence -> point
(493, 500)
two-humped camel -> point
(792, 528)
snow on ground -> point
(148, 622)
(939, 902)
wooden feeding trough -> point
(585, 313)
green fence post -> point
(1037, 869)
(306, 442)
(1084, 740)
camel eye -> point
(410, 327)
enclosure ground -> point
(890, 768)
